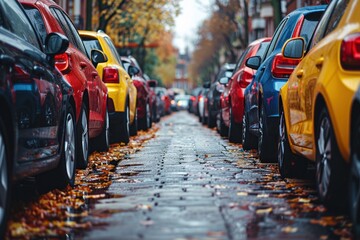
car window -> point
(38, 22)
(242, 57)
(91, 44)
(261, 50)
(321, 27)
(275, 38)
(113, 49)
(17, 22)
(69, 29)
(308, 26)
(336, 16)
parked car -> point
(232, 99)
(161, 95)
(182, 102)
(37, 120)
(143, 92)
(215, 90)
(202, 105)
(315, 104)
(155, 117)
(261, 95)
(193, 108)
(90, 92)
(121, 89)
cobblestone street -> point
(189, 183)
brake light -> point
(350, 52)
(245, 78)
(283, 67)
(62, 62)
(298, 26)
(110, 75)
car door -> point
(301, 94)
(95, 85)
(37, 90)
(255, 88)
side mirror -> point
(152, 83)
(55, 43)
(294, 48)
(224, 80)
(97, 57)
(253, 62)
(206, 85)
(132, 71)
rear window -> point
(91, 44)
(262, 48)
(309, 25)
(38, 22)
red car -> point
(90, 93)
(232, 99)
(143, 101)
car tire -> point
(330, 167)
(248, 140)
(82, 138)
(134, 125)
(145, 122)
(265, 143)
(211, 121)
(223, 129)
(125, 126)
(354, 182)
(64, 173)
(102, 141)
(235, 130)
(5, 185)
(289, 164)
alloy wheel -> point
(84, 135)
(323, 168)
(282, 139)
(3, 179)
(70, 145)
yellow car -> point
(122, 92)
(315, 103)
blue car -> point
(261, 121)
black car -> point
(213, 96)
(37, 121)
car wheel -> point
(102, 141)
(82, 138)
(4, 180)
(330, 168)
(248, 140)
(265, 143)
(211, 121)
(64, 173)
(290, 165)
(235, 130)
(223, 129)
(354, 188)
(125, 126)
(145, 122)
(134, 125)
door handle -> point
(300, 73)
(319, 62)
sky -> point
(193, 12)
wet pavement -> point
(189, 183)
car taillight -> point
(283, 67)
(110, 75)
(62, 62)
(350, 52)
(245, 78)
